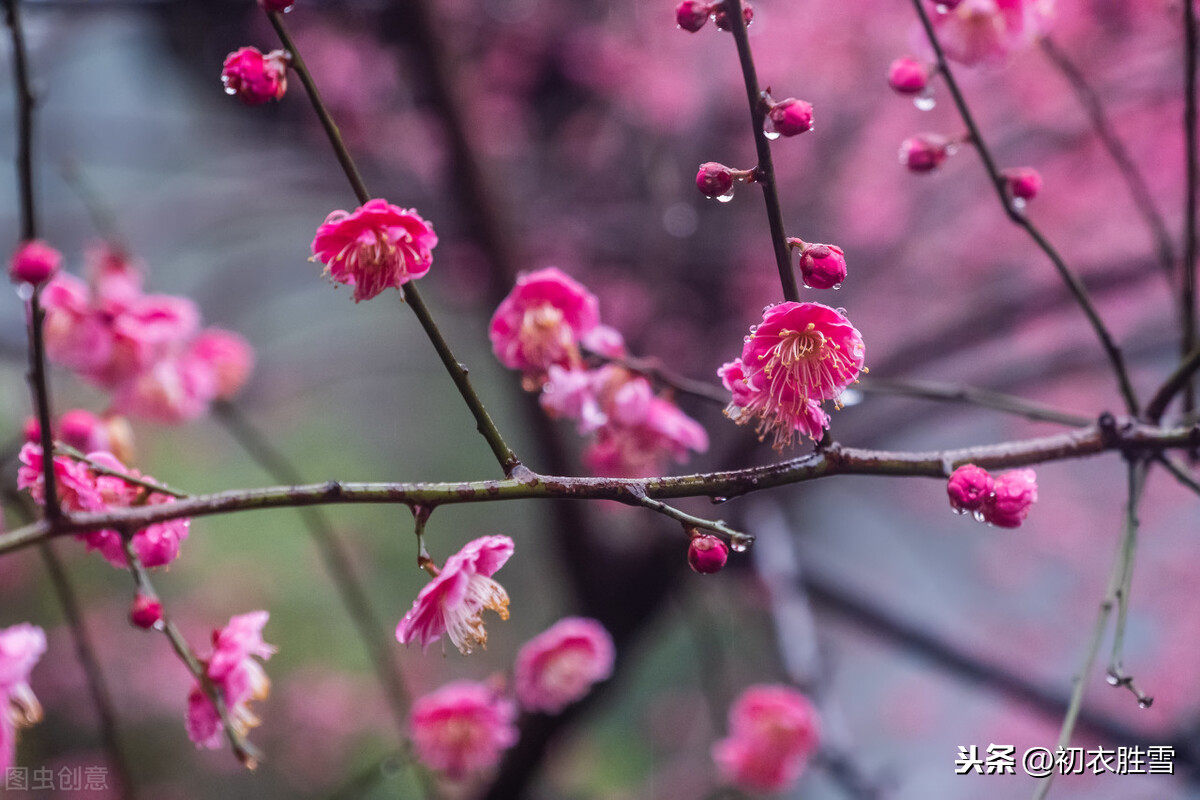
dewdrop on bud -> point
(924, 152)
(707, 554)
(721, 16)
(969, 488)
(692, 14)
(146, 611)
(715, 180)
(822, 266)
(790, 117)
(282, 6)
(35, 262)
(1023, 184)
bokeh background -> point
(917, 631)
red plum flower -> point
(255, 78)
(1013, 494)
(375, 247)
(34, 262)
(978, 31)
(234, 673)
(969, 487)
(462, 728)
(822, 266)
(559, 666)
(772, 732)
(542, 321)
(454, 601)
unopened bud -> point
(714, 180)
(692, 14)
(924, 152)
(707, 554)
(146, 611)
(908, 75)
(35, 262)
(721, 17)
(1023, 183)
(255, 78)
(823, 266)
(789, 117)
(969, 487)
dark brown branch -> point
(1172, 386)
(1191, 143)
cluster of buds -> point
(1003, 501)
(692, 14)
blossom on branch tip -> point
(772, 732)
(924, 152)
(560, 665)
(715, 180)
(907, 75)
(255, 78)
(707, 553)
(822, 266)
(375, 247)
(800, 355)
(236, 675)
(790, 117)
(542, 322)
(691, 15)
(462, 728)
(454, 601)
(1013, 494)
(21, 646)
(34, 262)
(1023, 183)
(146, 611)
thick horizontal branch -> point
(1109, 434)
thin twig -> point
(1126, 436)
(335, 557)
(1116, 664)
(458, 372)
(1172, 385)
(1180, 471)
(132, 480)
(764, 174)
(1191, 143)
(985, 398)
(1111, 596)
(246, 753)
(737, 539)
(1074, 284)
(1143, 200)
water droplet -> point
(942, 9)
(978, 515)
(740, 542)
(840, 310)
(925, 101)
(1018, 203)
(851, 397)
(716, 501)
(753, 329)
(229, 90)
(725, 198)
(959, 511)
(768, 307)
(837, 286)
(25, 291)
(1145, 702)
(746, 339)
(1113, 679)
(951, 149)
(772, 135)
(806, 286)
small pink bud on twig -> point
(789, 117)
(692, 14)
(35, 262)
(146, 611)
(924, 152)
(1023, 183)
(707, 554)
(907, 75)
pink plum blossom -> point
(542, 321)
(375, 247)
(772, 732)
(642, 430)
(34, 262)
(969, 487)
(1013, 494)
(559, 666)
(978, 31)
(462, 728)
(801, 355)
(255, 78)
(228, 355)
(454, 601)
(21, 646)
(573, 393)
(234, 673)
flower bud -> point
(908, 75)
(925, 152)
(32, 431)
(692, 14)
(969, 488)
(83, 430)
(277, 5)
(721, 16)
(823, 266)
(255, 78)
(146, 611)
(1013, 494)
(707, 554)
(1023, 183)
(789, 117)
(714, 180)
(34, 262)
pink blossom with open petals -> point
(801, 354)
(375, 247)
(542, 321)
(172, 390)
(453, 602)
(573, 393)
(1013, 494)
(773, 730)
(979, 31)
(462, 728)
(21, 646)
(234, 673)
(643, 429)
(560, 665)
(230, 357)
